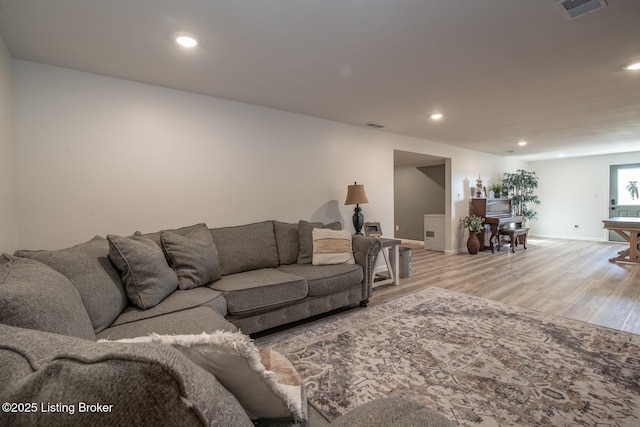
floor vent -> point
(572, 9)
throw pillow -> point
(34, 296)
(147, 277)
(273, 392)
(288, 242)
(332, 247)
(182, 231)
(305, 236)
(194, 257)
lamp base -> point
(358, 219)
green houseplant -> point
(474, 224)
(632, 188)
(497, 190)
(522, 184)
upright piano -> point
(497, 214)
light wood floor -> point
(566, 278)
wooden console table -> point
(629, 229)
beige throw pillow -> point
(305, 238)
(264, 382)
(332, 247)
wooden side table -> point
(394, 276)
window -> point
(629, 186)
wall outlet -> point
(397, 228)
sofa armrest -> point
(127, 384)
(365, 252)
(393, 411)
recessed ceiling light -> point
(633, 67)
(561, 155)
(436, 116)
(186, 41)
(522, 143)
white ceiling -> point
(500, 70)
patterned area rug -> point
(478, 362)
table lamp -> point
(356, 196)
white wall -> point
(98, 155)
(417, 191)
(573, 192)
(8, 208)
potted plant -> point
(474, 224)
(632, 188)
(497, 190)
(522, 183)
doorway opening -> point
(422, 186)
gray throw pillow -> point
(288, 242)
(182, 231)
(305, 237)
(147, 277)
(194, 257)
(34, 296)
(87, 266)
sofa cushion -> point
(305, 238)
(288, 242)
(326, 279)
(191, 321)
(147, 277)
(35, 296)
(246, 247)
(177, 301)
(238, 364)
(257, 289)
(332, 247)
(194, 256)
(135, 384)
(87, 266)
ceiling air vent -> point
(374, 125)
(572, 9)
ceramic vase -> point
(473, 244)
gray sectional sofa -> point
(265, 279)
(55, 304)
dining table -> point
(629, 229)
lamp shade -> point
(356, 194)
